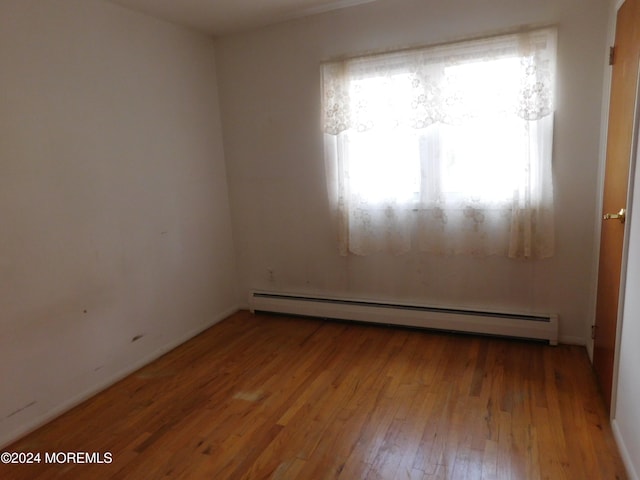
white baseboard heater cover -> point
(508, 324)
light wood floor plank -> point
(266, 396)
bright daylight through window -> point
(444, 148)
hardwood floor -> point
(262, 396)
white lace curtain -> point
(446, 149)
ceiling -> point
(221, 17)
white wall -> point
(284, 231)
(626, 408)
(116, 239)
(626, 421)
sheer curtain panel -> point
(444, 149)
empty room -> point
(308, 239)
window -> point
(447, 148)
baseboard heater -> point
(518, 325)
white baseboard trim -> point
(64, 407)
(624, 453)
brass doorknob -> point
(621, 215)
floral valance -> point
(510, 74)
